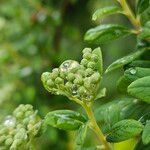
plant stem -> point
(94, 126)
(128, 12)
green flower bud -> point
(2, 138)
(87, 56)
(70, 76)
(84, 62)
(8, 141)
(87, 50)
(94, 57)
(89, 72)
(95, 77)
(45, 76)
(87, 83)
(63, 75)
(53, 75)
(68, 85)
(82, 90)
(59, 80)
(50, 83)
(91, 65)
(55, 71)
(78, 80)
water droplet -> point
(133, 71)
(74, 89)
(10, 121)
(68, 65)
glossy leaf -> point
(145, 34)
(146, 133)
(142, 5)
(64, 119)
(140, 63)
(81, 134)
(124, 130)
(105, 33)
(140, 89)
(124, 60)
(105, 11)
(101, 93)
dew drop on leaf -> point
(68, 65)
(133, 71)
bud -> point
(78, 80)
(87, 50)
(84, 62)
(94, 58)
(91, 65)
(70, 76)
(87, 56)
(95, 77)
(82, 90)
(59, 80)
(50, 83)
(89, 72)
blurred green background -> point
(38, 35)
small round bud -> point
(78, 80)
(84, 62)
(94, 57)
(91, 65)
(87, 83)
(59, 80)
(87, 55)
(45, 76)
(82, 90)
(95, 77)
(63, 75)
(8, 141)
(50, 83)
(2, 138)
(87, 50)
(68, 85)
(70, 76)
(56, 71)
(53, 75)
(89, 72)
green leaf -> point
(124, 60)
(142, 5)
(131, 75)
(145, 34)
(145, 118)
(105, 33)
(98, 52)
(101, 93)
(140, 89)
(105, 11)
(140, 63)
(81, 134)
(124, 130)
(64, 119)
(146, 133)
(123, 83)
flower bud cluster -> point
(19, 128)
(78, 80)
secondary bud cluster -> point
(79, 80)
(19, 128)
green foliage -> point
(124, 130)
(39, 35)
(64, 119)
(145, 134)
(125, 60)
(140, 89)
(105, 33)
(105, 11)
